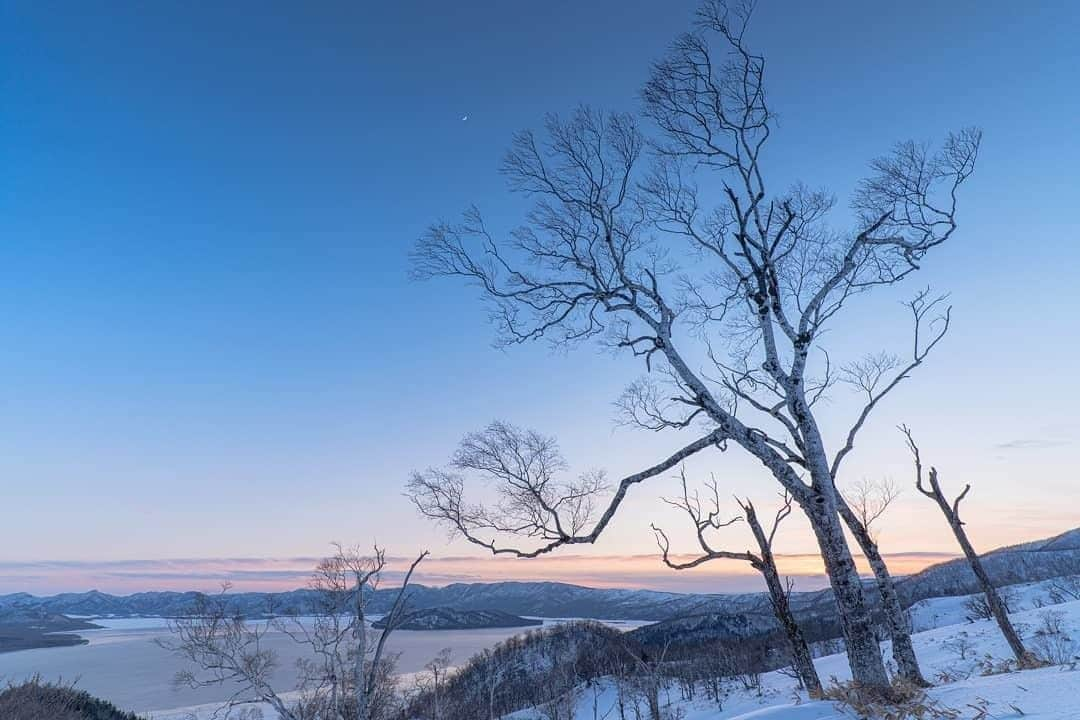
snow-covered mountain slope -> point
(1030, 562)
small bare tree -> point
(951, 511)
(437, 669)
(726, 301)
(707, 519)
(345, 677)
(869, 499)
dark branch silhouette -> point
(708, 519)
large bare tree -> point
(725, 298)
(708, 518)
(347, 674)
(951, 511)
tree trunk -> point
(359, 678)
(800, 651)
(864, 654)
(952, 515)
(992, 598)
(822, 510)
(801, 658)
(907, 664)
(652, 695)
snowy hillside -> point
(940, 611)
(967, 662)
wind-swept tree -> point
(707, 519)
(951, 511)
(725, 298)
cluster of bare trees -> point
(726, 300)
(347, 673)
(561, 669)
(542, 668)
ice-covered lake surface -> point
(124, 665)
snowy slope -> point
(940, 611)
(1051, 693)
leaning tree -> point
(724, 296)
(951, 511)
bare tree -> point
(599, 258)
(869, 499)
(437, 669)
(863, 505)
(494, 675)
(707, 519)
(951, 511)
(345, 677)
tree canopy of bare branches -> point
(725, 297)
(534, 499)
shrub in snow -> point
(1052, 642)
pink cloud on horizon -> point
(272, 574)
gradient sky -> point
(210, 348)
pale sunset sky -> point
(214, 362)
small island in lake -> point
(29, 629)
(443, 618)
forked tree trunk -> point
(896, 620)
(801, 658)
(864, 654)
(822, 510)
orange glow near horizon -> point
(275, 574)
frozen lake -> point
(123, 664)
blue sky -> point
(210, 345)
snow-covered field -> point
(965, 660)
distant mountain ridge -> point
(442, 618)
(1040, 560)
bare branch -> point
(871, 375)
(704, 521)
(533, 503)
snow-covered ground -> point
(955, 654)
(941, 611)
